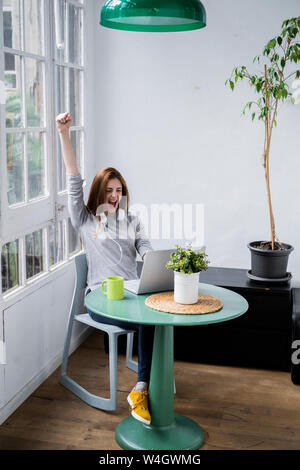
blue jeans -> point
(145, 341)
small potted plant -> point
(187, 264)
(269, 258)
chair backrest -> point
(81, 271)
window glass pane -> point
(33, 21)
(61, 169)
(56, 243)
(61, 104)
(60, 20)
(12, 77)
(36, 164)
(11, 23)
(10, 265)
(76, 141)
(75, 96)
(61, 107)
(74, 242)
(75, 30)
(34, 253)
(35, 93)
(15, 168)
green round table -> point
(167, 430)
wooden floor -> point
(237, 408)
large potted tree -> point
(269, 258)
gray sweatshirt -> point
(113, 252)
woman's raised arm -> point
(63, 122)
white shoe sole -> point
(136, 416)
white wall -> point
(165, 119)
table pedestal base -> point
(183, 434)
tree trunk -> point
(267, 176)
(268, 132)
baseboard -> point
(36, 381)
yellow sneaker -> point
(138, 402)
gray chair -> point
(113, 333)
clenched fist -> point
(63, 122)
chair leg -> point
(65, 357)
(133, 365)
(113, 367)
(109, 404)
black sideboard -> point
(261, 338)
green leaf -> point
(246, 105)
(231, 85)
(253, 116)
(271, 44)
(279, 40)
(275, 123)
(282, 62)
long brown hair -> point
(97, 193)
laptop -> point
(155, 277)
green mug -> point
(115, 287)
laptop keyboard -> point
(132, 284)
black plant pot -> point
(269, 264)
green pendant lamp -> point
(153, 15)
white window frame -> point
(30, 215)
(22, 219)
(62, 195)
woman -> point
(111, 237)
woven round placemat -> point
(164, 301)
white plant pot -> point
(186, 288)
